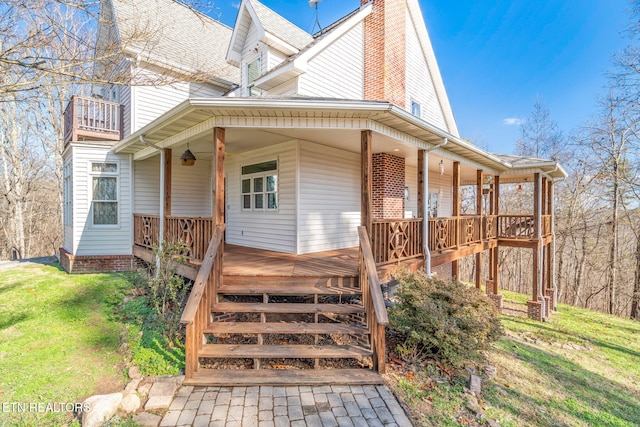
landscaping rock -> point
(473, 405)
(492, 423)
(146, 419)
(134, 373)
(101, 408)
(475, 384)
(130, 403)
(133, 385)
(490, 372)
(143, 389)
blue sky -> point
(496, 56)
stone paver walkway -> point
(299, 406)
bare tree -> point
(540, 134)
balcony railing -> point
(92, 119)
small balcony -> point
(91, 119)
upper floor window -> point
(104, 195)
(415, 108)
(260, 186)
(253, 72)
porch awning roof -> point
(196, 116)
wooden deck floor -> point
(243, 261)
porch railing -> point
(373, 301)
(92, 118)
(146, 229)
(193, 232)
(197, 312)
(516, 227)
(395, 240)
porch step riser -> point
(251, 351)
(247, 377)
(286, 308)
(285, 285)
(284, 328)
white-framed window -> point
(104, 193)
(415, 108)
(254, 69)
(259, 187)
(67, 189)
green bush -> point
(446, 320)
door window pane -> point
(258, 185)
(246, 186)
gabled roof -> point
(296, 64)
(273, 30)
(171, 35)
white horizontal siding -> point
(337, 71)
(274, 58)
(100, 240)
(443, 185)
(411, 181)
(190, 188)
(67, 232)
(153, 101)
(146, 186)
(329, 198)
(264, 230)
(419, 84)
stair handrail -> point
(372, 300)
(199, 286)
(197, 311)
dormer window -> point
(253, 72)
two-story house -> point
(274, 154)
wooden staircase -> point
(253, 330)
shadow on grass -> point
(13, 320)
(574, 338)
(588, 396)
(8, 288)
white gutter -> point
(425, 201)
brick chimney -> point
(385, 52)
(387, 198)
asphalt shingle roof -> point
(172, 34)
(280, 27)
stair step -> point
(286, 351)
(246, 377)
(250, 285)
(243, 307)
(283, 328)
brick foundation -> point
(497, 300)
(387, 198)
(551, 294)
(96, 263)
(534, 310)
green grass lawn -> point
(542, 382)
(581, 368)
(58, 338)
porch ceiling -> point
(253, 123)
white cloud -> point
(235, 4)
(512, 121)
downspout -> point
(425, 201)
(161, 219)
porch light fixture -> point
(441, 167)
(187, 158)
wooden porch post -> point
(479, 177)
(366, 175)
(455, 265)
(496, 212)
(163, 204)
(538, 250)
(167, 182)
(217, 174)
